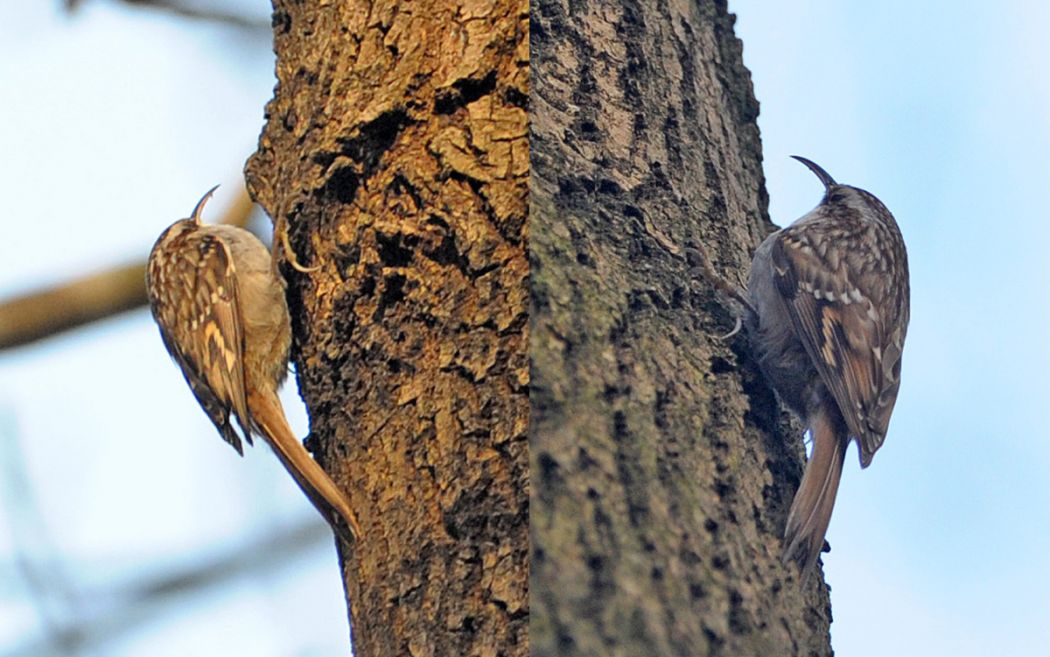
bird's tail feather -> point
(811, 509)
(312, 479)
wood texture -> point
(663, 466)
(396, 152)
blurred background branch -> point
(188, 11)
(43, 313)
(123, 608)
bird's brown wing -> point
(838, 321)
(204, 284)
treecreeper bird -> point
(221, 309)
(828, 307)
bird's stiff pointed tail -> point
(319, 488)
(811, 509)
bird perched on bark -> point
(827, 313)
(221, 309)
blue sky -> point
(115, 122)
(941, 109)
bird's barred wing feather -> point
(202, 280)
(835, 313)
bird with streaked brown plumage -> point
(222, 313)
(827, 313)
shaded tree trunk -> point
(396, 153)
(664, 467)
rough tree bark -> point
(663, 466)
(396, 153)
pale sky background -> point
(942, 110)
(115, 121)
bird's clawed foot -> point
(280, 232)
(701, 264)
(736, 329)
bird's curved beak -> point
(199, 208)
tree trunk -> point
(664, 467)
(396, 154)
